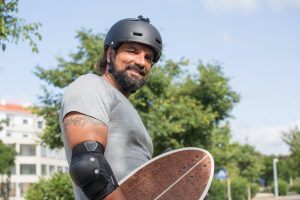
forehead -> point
(137, 46)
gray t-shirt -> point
(129, 144)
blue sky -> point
(257, 42)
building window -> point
(28, 169)
(27, 150)
(25, 121)
(24, 187)
(43, 151)
(8, 121)
(40, 124)
(59, 169)
(44, 170)
(51, 170)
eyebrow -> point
(141, 47)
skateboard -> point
(180, 174)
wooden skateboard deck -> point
(179, 174)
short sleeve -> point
(87, 95)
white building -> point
(33, 159)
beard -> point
(128, 84)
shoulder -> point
(90, 88)
(88, 79)
(87, 83)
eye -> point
(132, 51)
(149, 58)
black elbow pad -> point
(90, 171)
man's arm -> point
(80, 128)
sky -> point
(256, 42)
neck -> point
(110, 79)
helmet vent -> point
(158, 41)
(137, 34)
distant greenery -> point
(12, 28)
(7, 161)
(239, 190)
(283, 187)
(58, 187)
(296, 186)
(178, 108)
(292, 139)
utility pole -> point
(275, 160)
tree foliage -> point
(179, 109)
(7, 161)
(249, 162)
(13, 28)
(7, 158)
(176, 113)
(58, 77)
(292, 139)
(58, 187)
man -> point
(104, 137)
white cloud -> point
(280, 4)
(247, 5)
(230, 5)
(267, 140)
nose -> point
(140, 59)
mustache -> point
(136, 68)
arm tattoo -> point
(82, 120)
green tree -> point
(13, 28)
(292, 139)
(250, 163)
(58, 187)
(81, 62)
(178, 108)
(267, 174)
(2, 122)
(176, 113)
(171, 105)
(286, 169)
(7, 161)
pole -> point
(229, 189)
(275, 160)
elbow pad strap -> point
(90, 171)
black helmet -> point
(134, 30)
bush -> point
(59, 187)
(283, 187)
(217, 190)
(254, 189)
(239, 189)
(295, 188)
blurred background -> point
(251, 47)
